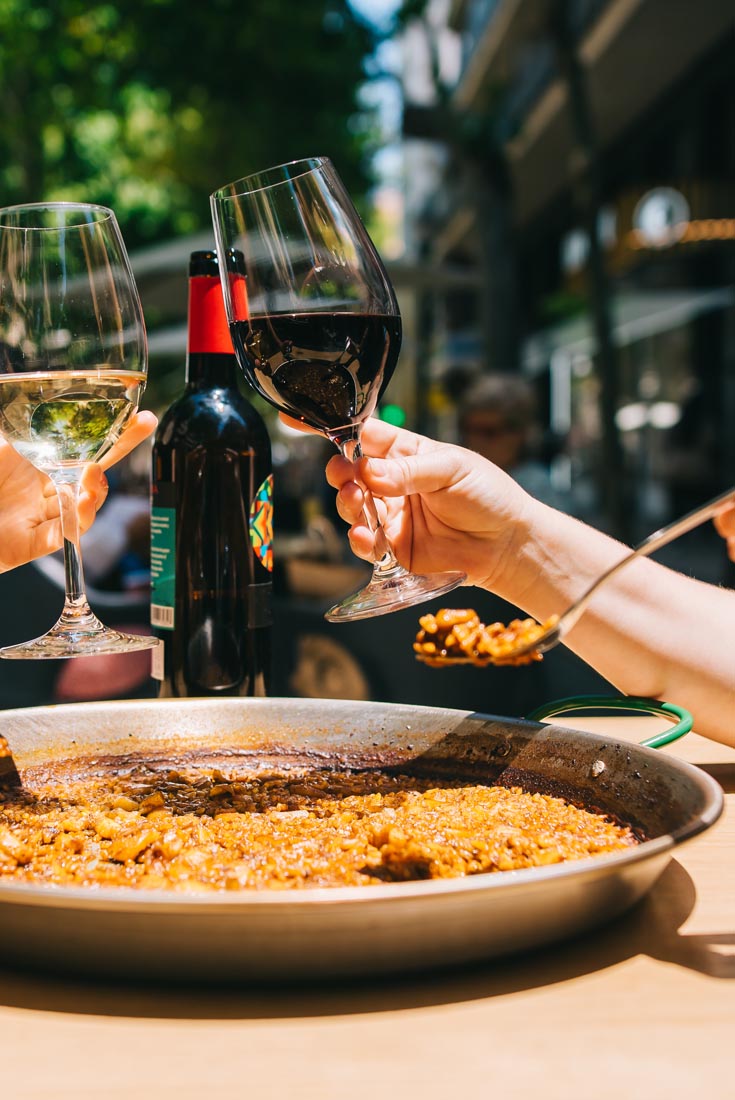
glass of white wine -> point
(73, 361)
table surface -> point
(642, 1008)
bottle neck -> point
(210, 359)
(207, 369)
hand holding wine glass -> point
(30, 517)
(317, 330)
(73, 365)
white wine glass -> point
(73, 361)
(316, 328)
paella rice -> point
(190, 826)
(456, 636)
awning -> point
(635, 316)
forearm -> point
(650, 631)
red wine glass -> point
(317, 330)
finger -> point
(92, 496)
(86, 510)
(351, 502)
(299, 425)
(339, 471)
(95, 485)
(350, 507)
(48, 489)
(376, 437)
(427, 472)
(52, 509)
(380, 440)
(138, 428)
(362, 542)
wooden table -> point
(644, 1009)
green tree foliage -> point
(148, 105)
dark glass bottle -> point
(211, 516)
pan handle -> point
(683, 720)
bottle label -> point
(163, 567)
(261, 523)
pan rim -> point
(136, 899)
(129, 898)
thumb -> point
(428, 472)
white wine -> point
(66, 418)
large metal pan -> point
(351, 930)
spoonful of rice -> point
(453, 637)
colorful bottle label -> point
(163, 551)
(261, 523)
(163, 567)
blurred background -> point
(552, 186)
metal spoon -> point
(561, 626)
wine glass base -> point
(93, 640)
(393, 593)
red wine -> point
(211, 521)
(326, 369)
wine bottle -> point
(211, 515)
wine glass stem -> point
(77, 612)
(385, 562)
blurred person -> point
(498, 419)
(651, 631)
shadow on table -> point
(724, 774)
(651, 928)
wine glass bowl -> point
(317, 330)
(73, 362)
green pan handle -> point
(682, 718)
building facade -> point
(590, 185)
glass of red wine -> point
(316, 329)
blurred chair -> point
(31, 599)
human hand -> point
(29, 504)
(725, 525)
(443, 507)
